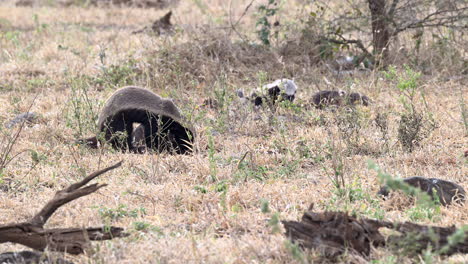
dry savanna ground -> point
(211, 207)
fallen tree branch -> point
(420, 236)
(334, 233)
(71, 240)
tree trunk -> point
(380, 32)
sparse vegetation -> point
(415, 124)
(265, 27)
(251, 167)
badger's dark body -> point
(357, 98)
(325, 98)
(446, 191)
(338, 98)
(159, 118)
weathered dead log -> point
(71, 240)
(415, 238)
(334, 233)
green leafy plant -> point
(222, 188)
(386, 260)
(414, 124)
(122, 210)
(119, 75)
(141, 226)
(274, 221)
(265, 206)
(200, 189)
(459, 236)
(338, 169)
(296, 251)
(464, 112)
(222, 99)
(39, 26)
(212, 158)
(37, 157)
(247, 169)
(355, 198)
(265, 12)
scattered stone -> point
(5, 186)
(446, 191)
(28, 117)
(240, 93)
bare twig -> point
(69, 194)
(10, 141)
(392, 9)
(432, 21)
(72, 240)
(233, 26)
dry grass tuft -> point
(157, 4)
(207, 207)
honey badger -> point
(339, 98)
(445, 190)
(281, 89)
(161, 127)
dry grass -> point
(205, 207)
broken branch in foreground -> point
(71, 240)
(334, 233)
